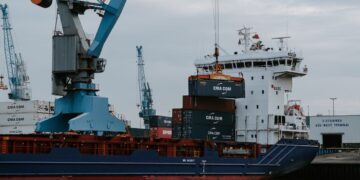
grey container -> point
(217, 88)
(160, 121)
(193, 117)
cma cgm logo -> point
(214, 118)
(218, 87)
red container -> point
(177, 116)
(209, 104)
(161, 133)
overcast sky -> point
(176, 32)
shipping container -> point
(217, 88)
(27, 107)
(22, 118)
(216, 133)
(177, 131)
(191, 117)
(209, 103)
(18, 129)
(161, 133)
(202, 125)
(160, 121)
(177, 115)
(139, 133)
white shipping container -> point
(17, 129)
(22, 118)
(26, 107)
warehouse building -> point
(336, 131)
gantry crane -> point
(75, 62)
(18, 78)
(146, 101)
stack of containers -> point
(208, 113)
(20, 117)
(160, 127)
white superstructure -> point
(263, 116)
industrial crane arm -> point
(112, 13)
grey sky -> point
(174, 33)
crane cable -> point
(216, 13)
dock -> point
(342, 165)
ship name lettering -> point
(188, 160)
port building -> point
(339, 131)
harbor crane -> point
(146, 101)
(76, 59)
(16, 70)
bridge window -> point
(240, 65)
(228, 66)
(259, 64)
(282, 61)
(289, 62)
(276, 62)
(248, 64)
(269, 63)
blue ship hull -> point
(282, 158)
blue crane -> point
(146, 101)
(75, 62)
(18, 78)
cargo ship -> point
(199, 143)
(82, 140)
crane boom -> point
(146, 101)
(18, 78)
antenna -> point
(281, 39)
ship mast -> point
(245, 36)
